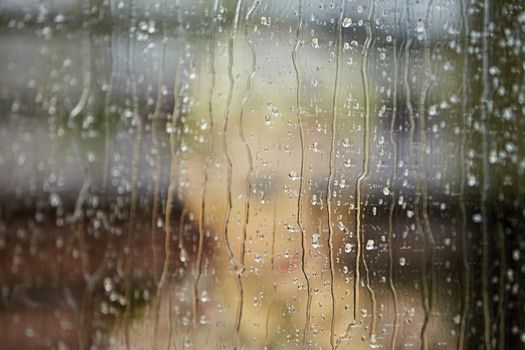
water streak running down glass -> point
(262, 174)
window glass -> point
(262, 174)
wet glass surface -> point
(262, 174)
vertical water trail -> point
(209, 159)
(501, 281)
(156, 148)
(237, 269)
(412, 151)
(462, 339)
(246, 97)
(301, 175)
(77, 219)
(274, 276)
(170, 322)
(171, 192)
(86, 294)
(177, 126)
(171, 183)
(107, 117)
(157, 174)
(486, 109)
(422, 184)
(332, 170)
(274, 228)
(72, 303)
(364, 174)
(393, 143)
(134, 173)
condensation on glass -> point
(262, 174)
